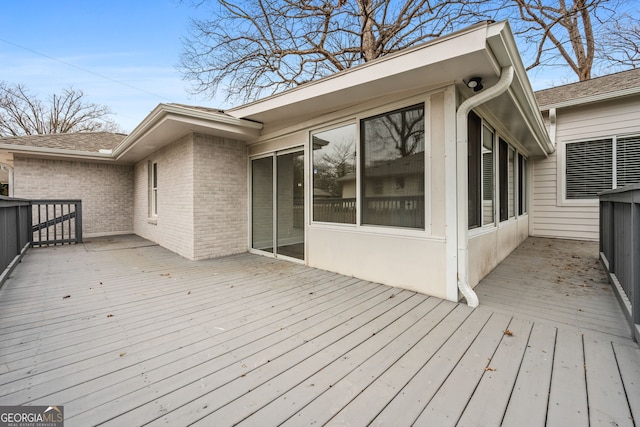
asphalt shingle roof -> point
(91, 142)
(597, 86)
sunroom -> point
(400, 171)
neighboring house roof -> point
(91, 142)
(597, 89)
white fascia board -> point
(55, 152)
(439, 50)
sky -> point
(120, 53)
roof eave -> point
(505, 49)
(592, 99)
(169, 122)
(55, 152)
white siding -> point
(551, 215)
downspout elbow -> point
(506, 77)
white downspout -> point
(462, 212)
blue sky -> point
(121, 53)
(135, 44)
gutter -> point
(56, 152)
(462, 139)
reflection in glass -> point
(334, 175)
(262, 204)
(393, 168)
(290, 204)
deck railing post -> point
(635, 260)
(78, 221)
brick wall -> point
(106, 190)
(174, 224)
(220, 188)
(202, 197)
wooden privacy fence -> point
(25, 223)
(620, 247)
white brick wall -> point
(220, 183)
(106, 190)
(173, 227)
(202, 197)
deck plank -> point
(488, 404)
(608, 405)
(409, 402)
(336, 385)
(376, 396)
(199, 389)
(628, 359)
(530, 397)
(264, 342)
(295, 388)
(568, 394)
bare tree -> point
(621, 42)
(23, 114)
(562, 32)
(251, 47)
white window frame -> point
(357, 118)
(561, 197)
(153, 189)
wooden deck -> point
(124, 333)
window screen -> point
(628, 160)
(589, 168)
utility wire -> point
(85, 70)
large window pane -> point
(522, 184)
(393, 168)
(512, 182)
(488, 187)
(262, 204)
(588, 168)
(334, 175)
(503, 183)
(474, 165)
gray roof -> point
(597, 87)
(91, 142)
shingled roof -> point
(91, 142)
(589, 90)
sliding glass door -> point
(277, 201)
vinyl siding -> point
(551, 215)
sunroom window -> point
(334, 175)
(392, 184)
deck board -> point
(147, 337)
(530, 395)
(568, 404)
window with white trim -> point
(392, 168)
(153, 189)
(388, 189)
(481, 173)
(599, 165)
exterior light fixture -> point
(475, 83)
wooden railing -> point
(56, 222)
(26, 223)
(620, 247)
(15, 233)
